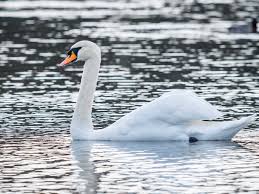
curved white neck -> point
(82, 117)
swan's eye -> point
(71, 56)
(73, 50)
(69, 52)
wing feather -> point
(172, 108)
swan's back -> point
(163, 118)
(175, 107)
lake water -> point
(148, 48)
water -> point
(148, 48)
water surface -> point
(148, 48)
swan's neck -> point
(82, 117)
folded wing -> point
(175, 107)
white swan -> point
(176, 115)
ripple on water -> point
(166, 167)
(148, 48)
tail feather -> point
(213, 130)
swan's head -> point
(81, 51)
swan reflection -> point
(163, 166)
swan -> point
(175, 115)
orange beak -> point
(68, 60)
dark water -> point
(148, 47)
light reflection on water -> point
(157, 167)
(147, 48)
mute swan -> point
(176, 115)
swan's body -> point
(176, 115)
